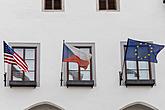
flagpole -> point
(4, 76)
(4, 66)
(62, 63)
(123, 64)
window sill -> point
(22, 84)
(139, 82)
(77, 83)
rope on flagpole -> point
(5, 79)
(5, 74)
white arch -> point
(43, 103)
(139, 103)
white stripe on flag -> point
(20, 63)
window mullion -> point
(137, 65)
(91, 77)
(11, 72)
(150, 73)
(107, 5)
(125, 62)
(35, 63)
(79, 73)
(25, 61)
(53, 5)
(67, 66)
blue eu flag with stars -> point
(142, 51)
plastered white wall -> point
(24, 21)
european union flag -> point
(142, 51)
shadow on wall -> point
(44, 106)
(139, 106)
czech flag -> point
(73, 54)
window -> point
(53, 4)
(108, 5)
(78, 76)
(30, 53)
(137, 72)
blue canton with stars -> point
(142, 51)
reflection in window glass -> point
(29, 76)
(85, 75)
(73, 75)
(143, 74)
(131, 70)
(73, 66)
(31, 64)
(17, 74)
(143, 65)
(131, 64)
(29, 53)
(131, 74)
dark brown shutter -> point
(57, 4)
(102, 4)
(48, 4)
(112, 4)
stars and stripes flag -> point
(11, 57)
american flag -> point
(11, 57)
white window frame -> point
(122, 43)
(92, 45)
(52, 10)
(108, 10)
(20, 44)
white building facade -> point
(39, 26)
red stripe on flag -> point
(9, 59)
(8, 55)
(9, 62)
(82, 63)
(20, 64)
(15, 54)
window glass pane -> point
(19, 52)
(86, 50)
(29, 76)
(85, 75)
(73, 75)
(31, 64)
(131, 74)
(143, 65)
(111, 4)
(48, 4)
(73, 66)
(29, 53)
(102, 4)
(57, 4)
(131, 64)
(143, 74)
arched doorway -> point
(44, 106)
(139, 106)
